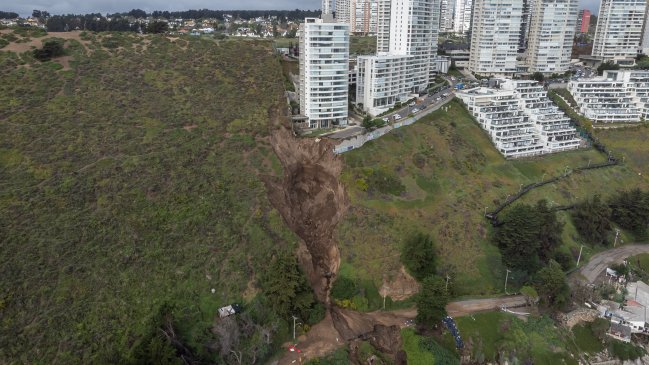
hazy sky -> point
(25, 7)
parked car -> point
(396, 117)
(415, 110)
(412, 104)
(386, 119)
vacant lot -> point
(128, 184)
(450, 172)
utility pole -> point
(521, 189)
(543, 177)
(506, 277)
(485, 211)
(579, 258)
(446, 287)
(294, 318)
(617, 234)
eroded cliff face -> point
(312, 202)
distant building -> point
(551, 35)
(495, 37)
(446, 11)
(619, 30)
(617, 96)
(361, 15)
(462, 16)
(583, 21)
(324, 63)
(327, 7)
(520, 119)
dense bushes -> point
(630, 210)
(383, 181)
(51, 48)
(418, 256)
(592, 220)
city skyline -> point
(118, 6)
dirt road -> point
(323, 338)
(602, 260)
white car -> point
(416, 110)
(386, 119)
(396, 117)
(412, 104)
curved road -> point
(602, 260)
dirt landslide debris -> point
(312, 202)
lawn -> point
(362, 45)
(451, 172)
(130, 184)
(416, 355)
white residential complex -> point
(520, 119)
(551, 34)
(617, 96)
(406, 47)
(462, 16)
(495, 36)
(619, 29)
(327, 7)
(324, 63)
(361, 15)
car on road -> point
(396, 117)
(412, 104)
(386, 119)
(416, 110)
(438, 98)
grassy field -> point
(451, 173)
(129, 182)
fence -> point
(358, 141)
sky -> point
(25, 7)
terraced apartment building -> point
(520, 119)
(620, 96)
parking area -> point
(419, 106)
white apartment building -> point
(407, 33)
(495, 37)
(644, 44)
(383, 81)
(361, 15)
(446, 11)
(617, 96)
(619, 30)
(462, 16)
(324, 68)
(327, 7)
(343, 11)
(520, 120)
(551, 34)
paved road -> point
(347, 132)
(602, 260)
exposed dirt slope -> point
(312, 202)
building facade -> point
(617, 96)
(327, 7)
(495, 37)
(619, 30)
(324, 63)
(583, 21)
(406, 40)
(446, 11)
(520, 119)
(361, 15)
(551, 35)
(462, 16)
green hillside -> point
(130, 191)
(439, 175)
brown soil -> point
(312, 202)
(401, 287)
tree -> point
(157, 27)
(51, 48)
(518, 240)
(551, 285)
(8, 15)
(418, 256)
(607, 66)
(431, 301)
(549, 231)
(530, 294)
(538, 76)
(592, 220)
(137, 13)
(630, 210)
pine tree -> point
(418, 256)
(431, 301)
(592, 220)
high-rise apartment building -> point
(619, 30)
(495, 36)
(324, 68)
(583, 21)
(361, 15)
(644, 46)
(462, 16)
(446, 10)
(551, 34)
(407, 35)
(327, 7)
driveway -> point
(602, 260)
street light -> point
(446, 287)
(617, 234)
(294, 318)
(506, 277)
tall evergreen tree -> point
(592, 220)
(418, 256)
(431, 301)
(630, 209)
(518, 238)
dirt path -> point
(602, 260)
(325, 337)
